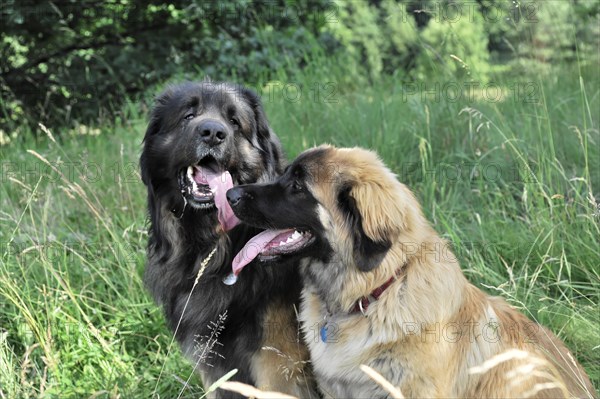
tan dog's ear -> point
(371, 243)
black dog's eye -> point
(234, 122)
(189, 116)
(297, 186)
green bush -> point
(400, 37)
(454, 46)
(374, 39)
(66, 63)
(359, 34)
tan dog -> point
(383, 289)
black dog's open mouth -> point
(270, 244)
(193, 181)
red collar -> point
(362, 304)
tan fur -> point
(431, 327)
(283, 362)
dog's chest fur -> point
(352, 339)
(345, 347)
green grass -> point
(512, 184)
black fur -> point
(182, 235)
(282, 204)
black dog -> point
(218, 129)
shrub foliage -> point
(67, 62)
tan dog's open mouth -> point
(269, 244)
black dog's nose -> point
(235, 195)
(212, 132)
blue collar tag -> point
(324, 333)
(329, 332)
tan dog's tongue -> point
(252, 249)
(219, 183)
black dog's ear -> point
(266, 138)
(153, 129)
(368, 253)
(262, 124)
(144, 169)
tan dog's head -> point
(329, 204)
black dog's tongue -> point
(219, 183)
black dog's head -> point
(200, 128)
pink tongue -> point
(253, 248)
(219, 183)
